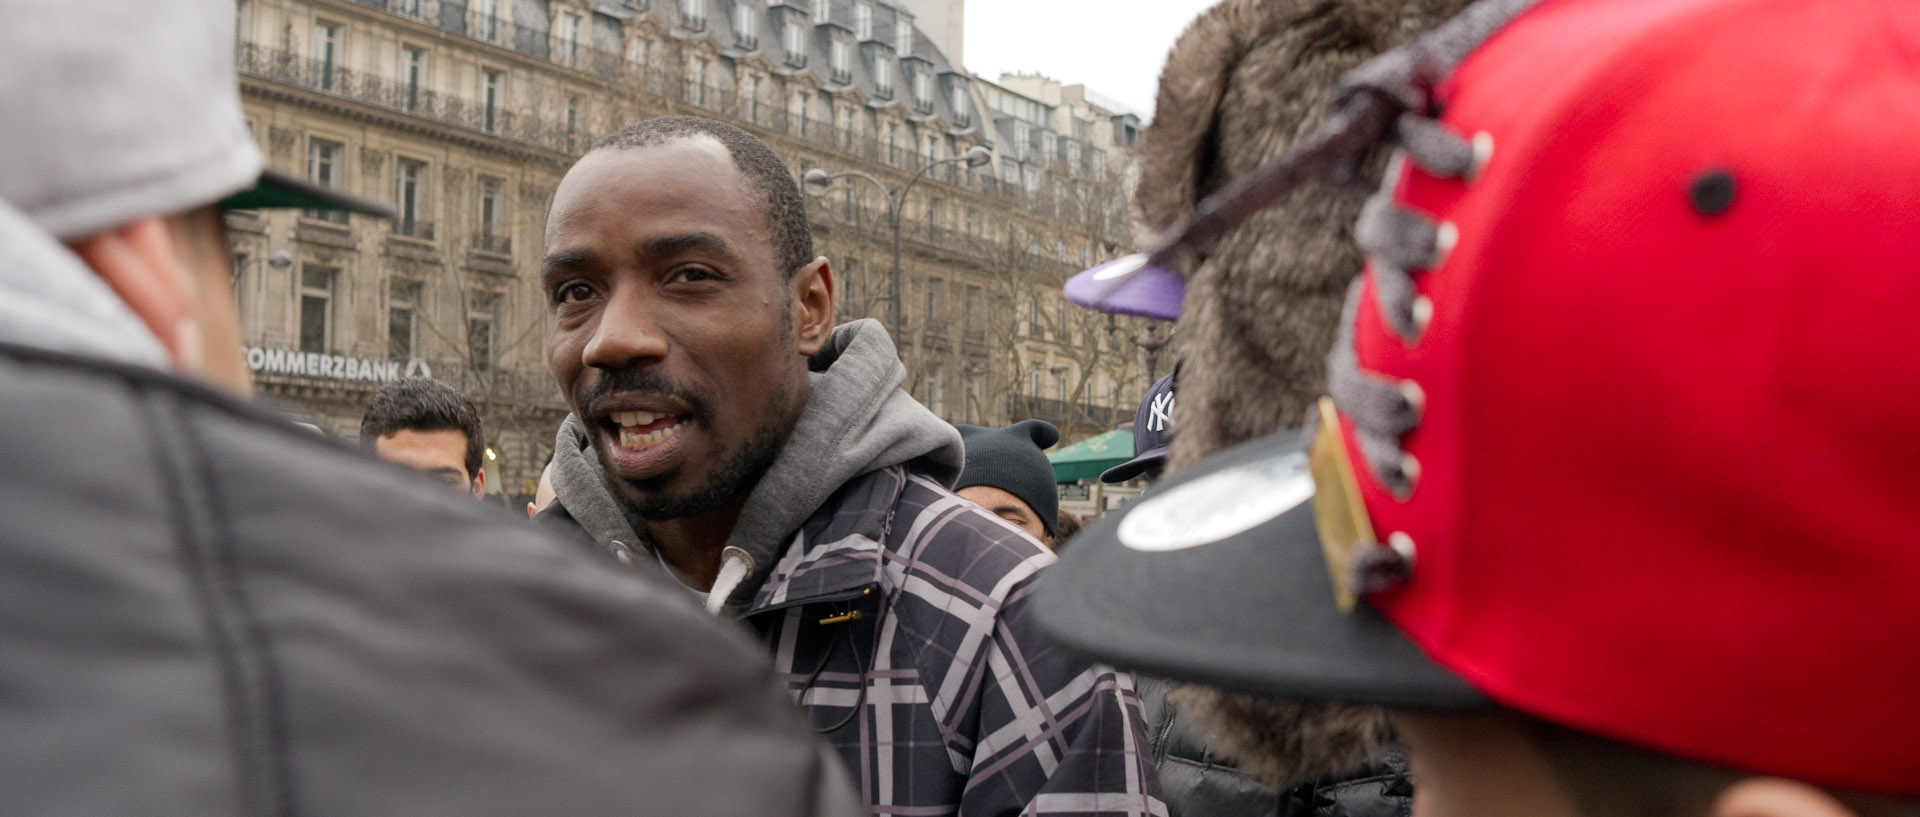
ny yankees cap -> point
(1623, 408)
(1152, 432)
(121, 109)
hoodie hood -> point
(50, 300)
(857, 420)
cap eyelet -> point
(1422, 313)
(1415, 396)
(1445, 238)
(1482, 153)
(1409, 478)
(1402, 544)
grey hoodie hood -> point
(49, 299)
(857, 420)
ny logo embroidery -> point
(1160, 412)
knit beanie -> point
(1011, 459)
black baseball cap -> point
(1217, 576)
(1152, 432)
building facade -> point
(465, 115)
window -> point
(323, 160)
(1033, 315)
(417, 9)
(882, 75)
(402, 299)
(1060, 251)
(863, 20)
(698, 76)
(326, 53)
(1022, 138)
(693, 13)
(486, 20)
(922, 88)
(243, 21)
(973, 222)
(793, 38)
(837, 55)
(933, 298)
(414, 68)
(407, 207)
(972, 316)
(746, 24)
(957, 94)
(490, 233)
(937, 390)
(573, 122)
(480, 314)
(493, 87)
(933, 214)
(822, 12)
(1033, 382)
(975, 395)
(570, 26)
(1060, 383)
(316, 309)
(239, 273)
(801, 99)
(902, 34)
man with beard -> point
(726, 434)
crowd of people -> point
(1544, 445)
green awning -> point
(1087, 458)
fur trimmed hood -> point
(1246, 80)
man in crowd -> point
(425, 425)
(727, 435)
(1612, 500)
(1152, 432)
(1007, 472)
(208, 611)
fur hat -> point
(1247, 79)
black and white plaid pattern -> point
(902, 618)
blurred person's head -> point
(685, 298)
(1007, 472)
(543, 492)
(425, 425)
(1610, 492)
(1152, 434)
(122, 139)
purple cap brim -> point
(1129, 287)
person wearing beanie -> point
(1007, 473)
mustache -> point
(624, 381)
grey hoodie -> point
(857, 420)
(50, 300)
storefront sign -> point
(332, 367)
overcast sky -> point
(1115, 47)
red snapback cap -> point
(1626, 411)
(1662, 484)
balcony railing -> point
(282, 66)
(411, 228)
(496, 244)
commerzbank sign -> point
(263, 360)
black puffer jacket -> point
(205, 611)
(1196, 783)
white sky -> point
(1115, 47)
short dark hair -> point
(424, 404)
(786, 211)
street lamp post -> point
(815, 182)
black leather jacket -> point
(205, 611)
(1196, 783)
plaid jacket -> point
(901, 616)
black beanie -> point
(1011, 459)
